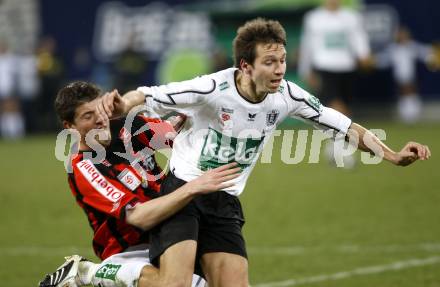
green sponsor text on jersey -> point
(108, 271)
(220, 149)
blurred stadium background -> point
(307, 224)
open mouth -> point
(275, 82)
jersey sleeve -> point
(100, 190)
(308, 108)
(152, 133)
(179, 96)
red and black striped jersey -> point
(128, 175)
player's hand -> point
(367, 64)
(411, 152)
(111, 105)
(215, 179)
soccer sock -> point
(340, 153)
(12, 125)
(122, 275)
(115, 275)
(409, 108)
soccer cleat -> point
(65, 275)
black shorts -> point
(334, 85)
(213, 220)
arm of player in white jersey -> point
(365, 140)
(309, 108)
(178, 96)
(369, 142)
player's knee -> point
(143, 282)
(237, 277)
(146, 281)
(175, 279)
(149, 276)
(233, 273)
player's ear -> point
(245, 67)
(67, 124)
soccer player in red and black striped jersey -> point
(119, 192)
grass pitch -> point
(307, 224)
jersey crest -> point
(281, 89)
(271, 118)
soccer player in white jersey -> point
(334, 44)
(230, 115)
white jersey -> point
(332, 41)
(223, 127)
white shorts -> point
(126, 268)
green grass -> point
(303, 220)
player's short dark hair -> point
(72, 96)
(257, 31)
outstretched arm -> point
(172, 97)
(309, 108)
(368, 142)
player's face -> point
(86, 119)
(269, 67)
(332, 4)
